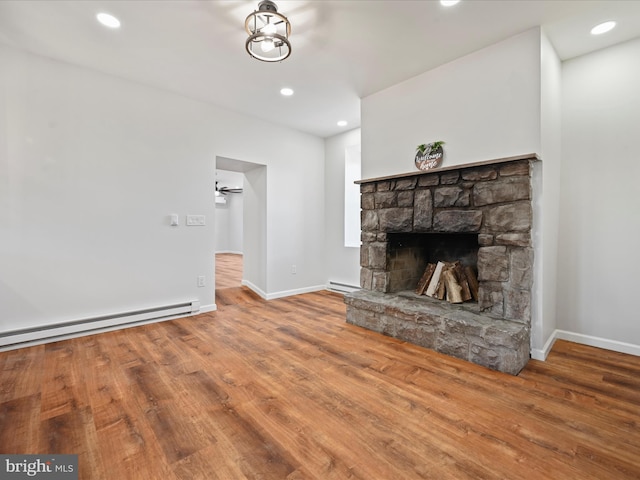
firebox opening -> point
(409, 253)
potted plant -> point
(429, 155)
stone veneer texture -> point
(490, 199)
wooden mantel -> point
(528, 156)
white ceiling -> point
(342, 50)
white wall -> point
(581, 117)
(91, 166)
(236, 209)
(547, 208)
(254, 273)
(485, 105)
(600, 204)
(294, 224)
(229, 216)
(295, 219)
(343, 263)
(221, 229)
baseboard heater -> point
(49, 333)
(342, 287)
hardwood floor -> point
(228, 270)
(229, 279)
(286, 389)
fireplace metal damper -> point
(479, 213)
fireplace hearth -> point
(479, 214)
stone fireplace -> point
(480, 214)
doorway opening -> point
(240, 229)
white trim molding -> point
(607, 344)
(283, 293)
(599, 342)
(255, 289)
(208, 308)
(542, 354)
(297, 291)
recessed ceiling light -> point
(287, 92)
(342, 123)
(448, 3)
(108, 20)
(603, 28)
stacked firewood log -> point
(449, 281)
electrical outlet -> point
(202, 281)
(294, 270)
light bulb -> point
(267, 45)
(269, 29)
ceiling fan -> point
(227, 190)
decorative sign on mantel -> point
(429, 155)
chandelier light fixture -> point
(268, 33)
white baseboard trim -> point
(208, 308)
(542, 354)
(297, 291)
(283, 293)
(605, 343)
(599, 342)
(255, 289)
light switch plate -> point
(195, 220)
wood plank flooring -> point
(229, 280)
(286, 389)
(228, 270)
